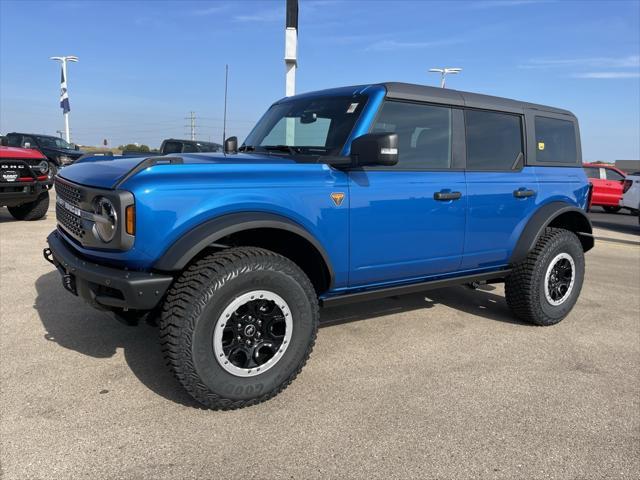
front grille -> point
(68, 193)
(70, 222)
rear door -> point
(407, 221)
(501, 190)
(613, 183)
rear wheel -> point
(611, 209)
(237, 326)
(544, 287)
(33, 210)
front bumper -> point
(105, 287)
(14, 193)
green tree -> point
(130, 147)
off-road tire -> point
(524, 287)
(196, 300)
(33, 210)
(611, 209)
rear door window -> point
(555, 140)
(494, 140)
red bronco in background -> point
(25, 182)
(607, 183)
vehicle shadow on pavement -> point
(74, 325)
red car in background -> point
(607, 183)
(25, 181)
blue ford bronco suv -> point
(336, 196)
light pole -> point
(444, 72)
(64, 95)
(291, 63)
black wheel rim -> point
(252, 333)
(559, 279)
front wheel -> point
(52, 171)
(33, 210)
(238, 325)
(544, 287)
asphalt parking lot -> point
(442, 385)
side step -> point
(366, 295)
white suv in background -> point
(631, 193)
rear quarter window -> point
(555, 141)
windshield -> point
(52, 142)
(314, 126)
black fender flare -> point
(577, 222)
(183, 250)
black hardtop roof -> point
(31, 134)
(423, 93)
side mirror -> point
(26, 145)
(76, 147)
(375, 149)
(231, 145)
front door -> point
(407, 221)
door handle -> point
(444, 196)
(523, 193)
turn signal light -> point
(130, 220)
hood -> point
(107, 173)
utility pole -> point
(224, 119)
(64, 95)
(291, 62)
(192, 124)
(444, 72)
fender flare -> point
(183, 250)
(542, 218)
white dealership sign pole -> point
(64, 94)
(291, 61)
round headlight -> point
(106, 219)
(43, 166)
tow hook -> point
(48, 256)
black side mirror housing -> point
(231, 145)
(375, 149)
(76, 147)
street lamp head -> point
(68, 58)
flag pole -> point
(67, 134)
(64, 95)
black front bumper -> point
(14, 194)
(105, 287)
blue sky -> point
(144, 65)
